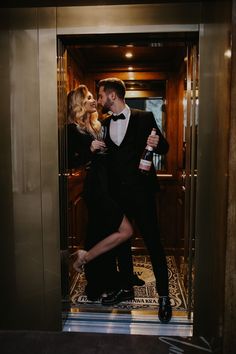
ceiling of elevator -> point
(150, 52)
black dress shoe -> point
(137, 281)
(92, 293)
(118, 296)
(165, 310)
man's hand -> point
(153, 141)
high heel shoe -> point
(78, 265)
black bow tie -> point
(120, 116)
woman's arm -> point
(78, 144)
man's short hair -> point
(113, 84)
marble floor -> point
(42, 342)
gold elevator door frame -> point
(190, 125)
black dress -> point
(104, 215)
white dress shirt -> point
(118, 128)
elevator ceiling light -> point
(128, 55)
(227, 53)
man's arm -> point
(158, 142)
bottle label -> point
(145, 165)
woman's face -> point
(90, 103)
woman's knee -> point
(126, 228)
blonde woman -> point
(108, 227)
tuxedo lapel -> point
(132, 128)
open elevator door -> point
(73, 211)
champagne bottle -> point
(147, 157)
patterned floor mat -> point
(145, 296)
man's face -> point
(104, 100)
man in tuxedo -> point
(128, 133)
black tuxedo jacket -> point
(124, 159)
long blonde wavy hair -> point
(86, 122)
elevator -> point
(29, 140)
(163, 75)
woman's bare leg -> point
(124, 232)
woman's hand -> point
(97, 145)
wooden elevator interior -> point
(163, 68)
